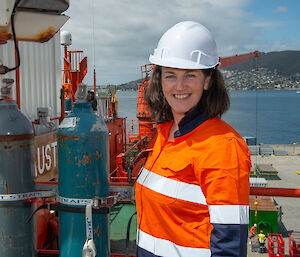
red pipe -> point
(44, 251)
(55, 118)
(273, 191)
(65, 65)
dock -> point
(286, 167)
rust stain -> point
(97, 156)
(69, 160)
(96, 183)
(41, 37)
(46, 35)
(7, 147)
(86, 160)
(3, 40)
(10, 241)
(97, 231)
(4, 36)
(12, 138)
(25, 146)
(61, 142)
(77, 175)
(80, 186)
(97, 136)
(64, 137)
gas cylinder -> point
(16, 176)
(68, 105)
(83, 166)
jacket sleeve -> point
(223, 173)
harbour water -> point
(272, 116)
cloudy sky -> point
(119, 35)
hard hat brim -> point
(179, 63)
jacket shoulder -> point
(216, 131)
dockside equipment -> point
(294, 244)
(275, 245)
(16, 177)
(83, 165)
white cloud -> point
(127, 31)
(265, 24)
(281, 9)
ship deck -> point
(286, 166)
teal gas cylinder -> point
(16, 176)
(83, 166)
(68, 104)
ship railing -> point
(132, 130)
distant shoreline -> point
(270, 89)
(260, 89)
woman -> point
(192, 195)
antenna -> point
(93, 21)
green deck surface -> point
(119, 218)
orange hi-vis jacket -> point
(192, 195)
(253, 231)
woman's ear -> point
(206, 82)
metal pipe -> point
(65, 65)
(62, 101)
(95, 82)
(17, 79)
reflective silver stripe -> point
(73, 201)
(171, 188)
(165, 248)
(229, 214)
(24, 196)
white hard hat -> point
(255, 225)
(187, 45)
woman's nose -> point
(180, 84)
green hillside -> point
(284, 62)
(132, 85)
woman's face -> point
(183, 89)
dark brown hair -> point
(214, 101)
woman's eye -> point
(190, 75)
(170, 77)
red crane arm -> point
(227, 61)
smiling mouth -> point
(181, 96)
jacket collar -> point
(188, 123)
